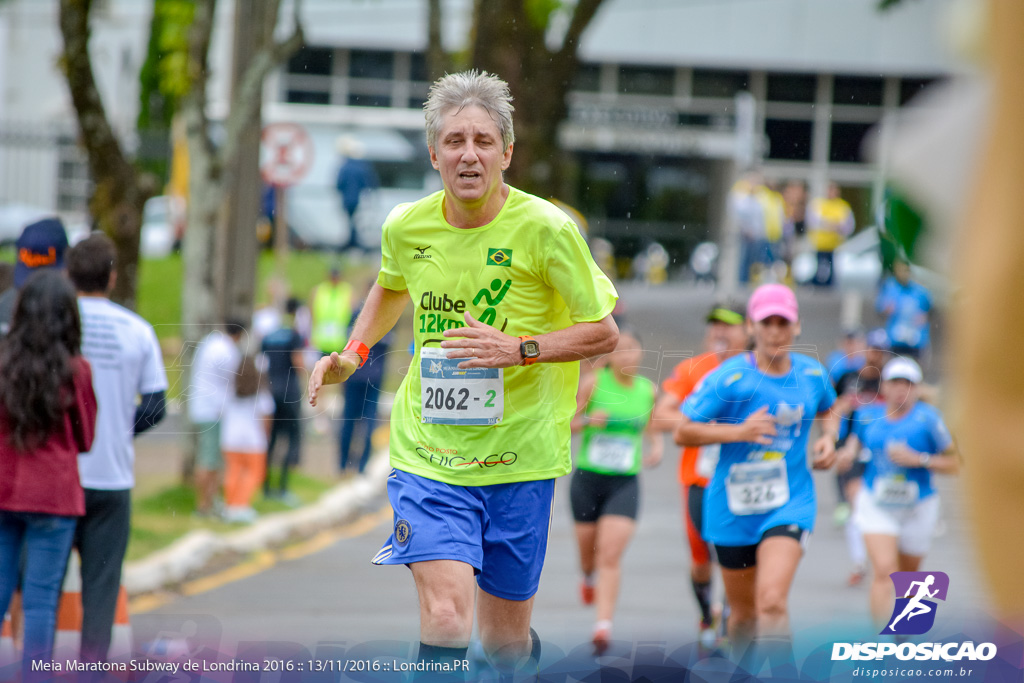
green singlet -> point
(527, 272)
(617, 447)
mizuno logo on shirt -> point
(422, 251)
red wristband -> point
(361, 349)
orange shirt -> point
(681, 384)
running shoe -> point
(708, 637)
(586, 592)
(856, 576)
(601, 639)
(841, 514)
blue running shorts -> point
(500, 530)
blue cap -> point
(41, 245)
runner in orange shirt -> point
(726, 336)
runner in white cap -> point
(898, 507)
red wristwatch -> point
(361, 349)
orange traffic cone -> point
(9, 659)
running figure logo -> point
(914, 613)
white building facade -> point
(652, 114)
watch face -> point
(530, 349)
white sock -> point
(855, 543)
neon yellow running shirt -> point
(528, 271)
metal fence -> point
(41, 165)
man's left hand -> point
(483, 346)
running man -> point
(915, 606)
(726, 336)
(897, 508)
(613, 411)
(760, 506)
(507, 301)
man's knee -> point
(447, 623)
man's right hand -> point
(332, 369)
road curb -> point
(196, 550)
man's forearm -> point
(578, 341)
(381, 312)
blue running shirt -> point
(754, 487)
(922, 429)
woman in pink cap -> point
(760, 505)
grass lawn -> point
(159, 295)
(159, 291)
(163, 516)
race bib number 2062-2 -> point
(450, 395)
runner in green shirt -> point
(507, 301)
(614, 413)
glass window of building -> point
(368, 100)
(789, 140)
(911, 87)
(418, 67)
(371, 64)
(295, 96)
(587, 78)
(646, 80)
(418, 96)
(792, 87)
(311, 61)
(846, 145)
(719, 83)
(857, 90)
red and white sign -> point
(286, 154)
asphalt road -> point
(333, 599)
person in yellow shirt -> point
(507, 299)
(829, 223)
(332, 312)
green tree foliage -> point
(164, 75)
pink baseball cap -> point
(773, 299)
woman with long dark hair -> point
(47, 417)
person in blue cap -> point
(40, 246)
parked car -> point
(163, 224)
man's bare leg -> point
(446, 591)
(505, 630)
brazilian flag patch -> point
(499, 257)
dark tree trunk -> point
(120, 190)
(438, 63)
(211, 168)
(507, 41)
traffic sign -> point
(286, 154)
